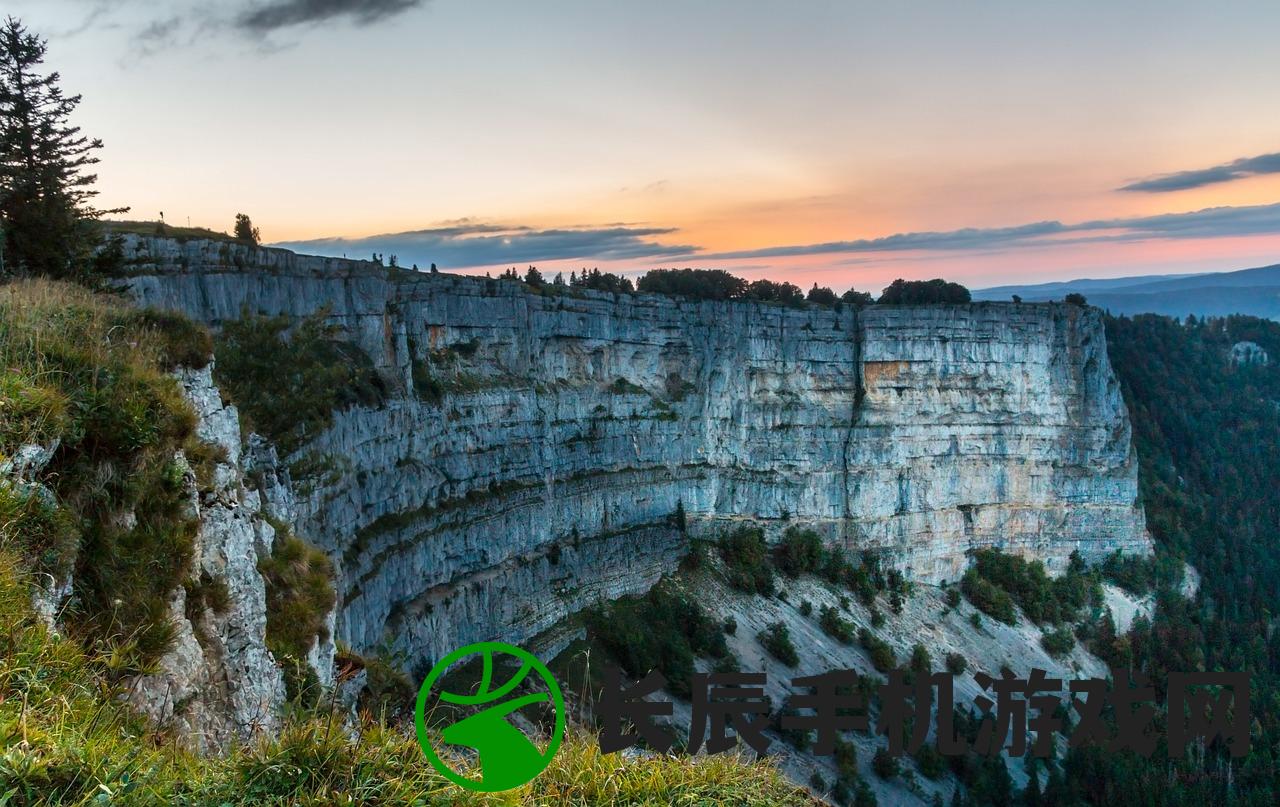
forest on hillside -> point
(1207, 431)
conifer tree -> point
(46, 183)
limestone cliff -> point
(219, 684)
(551, 437)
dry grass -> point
(67, 740)
(89, 374)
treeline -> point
(717, 284)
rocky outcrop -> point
(219, 683)
(541, 444)
(1248, 353)
(19, 474)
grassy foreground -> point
(66, 740)
(89, 375)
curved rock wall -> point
(571, 427)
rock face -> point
(541, 444)
(1245, 353)
(219, 684)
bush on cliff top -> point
(923, 292)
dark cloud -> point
(158, 35)
(463, 244)
(263, 18)
(1214, 222)
(965, 239)
(1227, 172)
(467, 243)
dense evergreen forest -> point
(1207, 430)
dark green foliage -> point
(932, 763)
(181, 342)
(207, 592)
(45, 534)
(835, 626)
(799, 552)
(46, 185)
(921, 663)
(806, 608)
(425, 385)
(857, 299)
(1132, 573)
(997, 581)
(988, 597)
(952, 597)
(288, 383)
(777, 640)
(300, 594)
(664, 630)
(601, 281)
(920, 292)
(881, 653)
(769, 291)
(746, 560)
(622, 386)
(956, 664)
(1208, 442)
(1059, 642)
(700, 284)
(821, 295)
(884, 764)
(245, 232)
(1075, 299)
(678, 519)
(88, 374)
(730, 626)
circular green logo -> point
(508, 758)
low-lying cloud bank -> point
(468, 244)
(1198, 178)
(1213, 222)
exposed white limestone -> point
(571, 427)
(219, 684)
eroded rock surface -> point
(219, 684)
(539, 445)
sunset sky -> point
(838, 142)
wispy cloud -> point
(1214, 222)
(266, 17)
(1227, 172)
(467, 242)
(158, 35)
(464, 244)
(257, 21)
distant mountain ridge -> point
(1247, 291)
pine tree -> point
(246, 232)
(45, 180)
